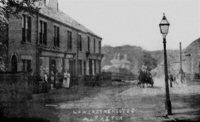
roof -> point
(64, 18)
(194, 45)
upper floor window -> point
(99, 46)
(26, 28)
(43, 33)
(56, 36)
(88, 44)
(94, 46)
(69, 40)
(79, 46)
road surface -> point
(122, 103)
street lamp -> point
(164, 27)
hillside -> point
(131, 58)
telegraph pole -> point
(181, 70)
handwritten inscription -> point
(104, 115)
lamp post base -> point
(168, 107)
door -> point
(14, 64)
(53, 71)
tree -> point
(149, 61)
(7, 8)
(13, 7)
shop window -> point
(80, 67)
(84, 66)
(72, 67)
(90, 67)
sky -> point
(136, 22)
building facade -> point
(49, 41)
(192, 55)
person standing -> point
(45, 82)
(66, 79)
(52, 78)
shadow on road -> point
(23, 120)
(188, 109)
(181, 120)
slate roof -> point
(193, 45)
(64, 18)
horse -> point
(145, 78)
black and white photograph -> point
(99, 60)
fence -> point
(117, 76)
(13, 78)
(14, 87)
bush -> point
(13, 91)
(196, 76)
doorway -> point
(14, 64)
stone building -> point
(51, 41)
(192, 62)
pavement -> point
(119, 102)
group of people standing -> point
(173, 78)
(55, 80)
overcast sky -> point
(135, 22)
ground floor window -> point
(72, 66)
(80, 67)
(84, 67)
(99, 66)
(95, 67)
(26, 65)
(90, 67)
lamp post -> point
(164, 27)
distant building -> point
(50, 40)
(192, 54)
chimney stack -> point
(53, 4)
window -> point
(80, 67)
(95, 68)
(79, 46)
(26, 28)
(84, 66)
(99, 65)
(90, 67)
(14, 63)
(88, 44)
(45, 2)
(72, 66)
(94, 45)
(26, 65)
(56, 36)
(69, 40)
(99, 46)
(43, 33)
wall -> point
(16, 47)
(192, 54)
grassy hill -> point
(132, 58)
